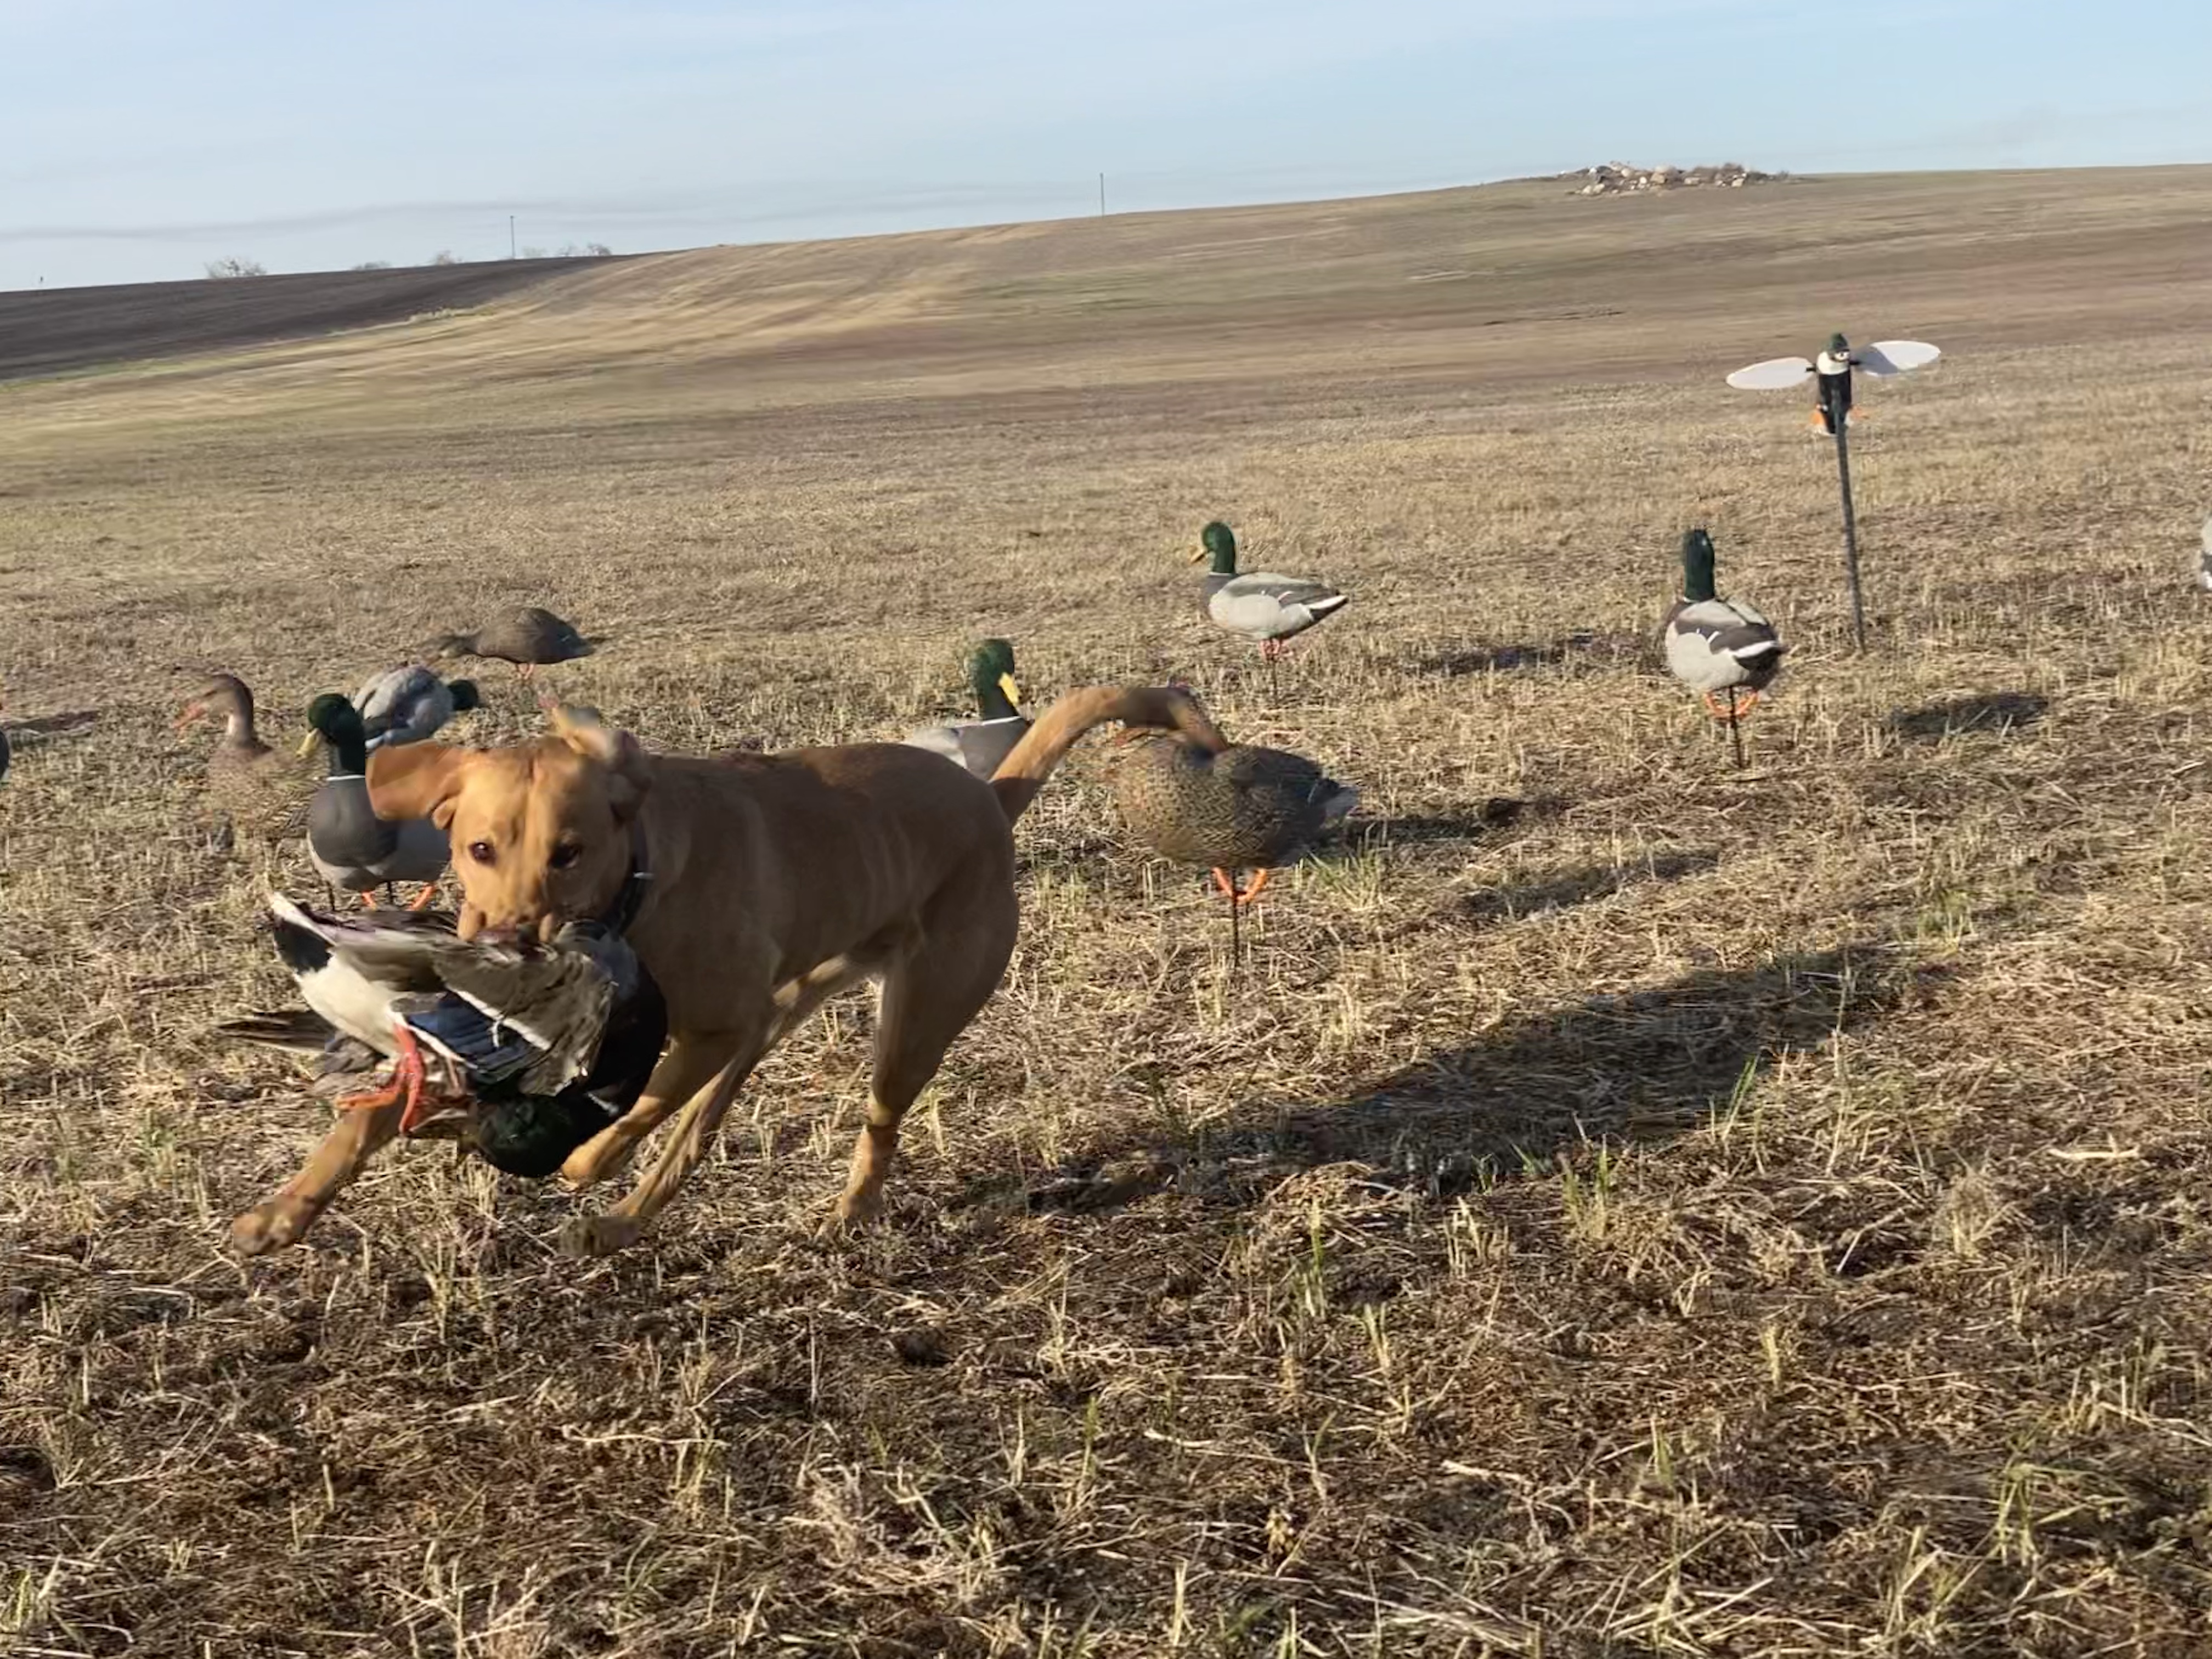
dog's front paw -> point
(596, 1235)
(270, 1225)
(852, 1212)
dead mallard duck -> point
(521, 1053)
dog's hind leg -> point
(280, 1220)
(928, 998)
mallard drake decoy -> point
(261, 791)
(1716, 645)
(513, 1028)
(352, 847)
(406, 705)
(981, 744)
(1259, 605)
(527, 636)
(1230, 810)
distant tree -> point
(598, 250)
(533, 253)
(444, 257)
(374, 264)
(224, 269)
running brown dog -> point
(762, 884)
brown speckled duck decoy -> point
(1235, 809)
(262, 792)
(528, 636)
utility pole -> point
(510, 236)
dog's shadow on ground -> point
(1638, 1065)
(2000, 713)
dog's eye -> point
(564, 854)
(482, 852)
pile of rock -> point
(1617, 178)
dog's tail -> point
(1046, 743)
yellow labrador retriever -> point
(752, 887)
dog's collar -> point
(619, 917)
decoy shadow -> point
(1999, 712)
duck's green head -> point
(336, 722)
(991, 673)
(1217, 541)
(465, 695)
(1696, 566)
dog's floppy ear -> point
(416, 780)
(611, 747)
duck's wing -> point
(1270, 606)
(1775, 375)
(1886, 357)
(398, 948)
(1726, 628)
(557, 999)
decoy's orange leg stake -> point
(1746, 700)
(422, 899)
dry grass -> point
(1709, 1213)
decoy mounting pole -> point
(1851, 533)
(1831, 373)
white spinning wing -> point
(1775, 375)
(1895, 356)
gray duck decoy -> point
(982, 745)
(352, 847)
(528, 636)
(409, 704)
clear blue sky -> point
(140, 138)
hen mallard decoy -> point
(1232, 809)
(406, 705)
(261, 791)
(1720, 648)
(538, 1048)
(528, 636)
(981, 744)
(1259, 605)
(352, 847)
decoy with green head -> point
(1259, 605)
(352, 847)
(1722, 648)
(981, 744)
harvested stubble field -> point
(1691, 1213)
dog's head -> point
(540, 832)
